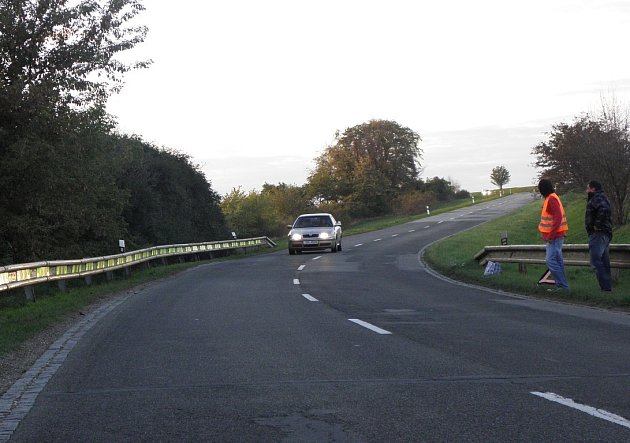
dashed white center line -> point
(296, 281)
(427, 227)
(309, 297)
(412, 230)
(599, 413)
(441, 221)
(378, 239)
(394, 235)
(301, 267)
(369, 326)
(358, 244)
(317, 258)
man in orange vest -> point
(553, 227)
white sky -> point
(254, 90)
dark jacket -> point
(598, 217)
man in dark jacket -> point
(598, 224)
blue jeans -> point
(600, 260)
(555, 261)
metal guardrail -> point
(26, 274)
(573, 254)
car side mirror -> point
(338, 223)
(289, 226)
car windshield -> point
(314, 222)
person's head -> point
(545, 187)
(593, 186)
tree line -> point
(372, 169)
(70, 186)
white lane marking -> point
(358, 244)
(427, 227)
(317, 258)
(412, 230)
(599, 413)
(441, 221)
(378, 239)
(301, 267)
(394, 235)
(369, 326)
(309, 297)
(296, 281)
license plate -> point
(310, 242)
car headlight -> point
(325, 235)
(296, 237)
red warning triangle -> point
(547, 278)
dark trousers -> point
(600, 260)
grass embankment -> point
(453, 257)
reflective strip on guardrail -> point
(14, 276)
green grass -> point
(453, 257)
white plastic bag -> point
(492, 268)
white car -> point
(315, 231)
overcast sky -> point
(254, 90)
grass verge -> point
(453, 257)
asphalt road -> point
(363, 345)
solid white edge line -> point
(296, 281)
(301, 267)
(599, 413)
(309, 297)
(369, 326)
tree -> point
(57, 66)
(367, 166)
(55, 53)
(594, 146)
(500, 176)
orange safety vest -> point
(546, 219)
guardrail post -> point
(29, 292)
(88, 280)
(109, 275)
(61, 284)
(615, 274)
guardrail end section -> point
(270, 242)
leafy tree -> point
(367, 166)
(592, 147)
(500, 176)
(286, 201)
(441, 188)
(170, 200)
(249, 215)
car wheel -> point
(339, 247)
(291, 251)
(334, 248)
